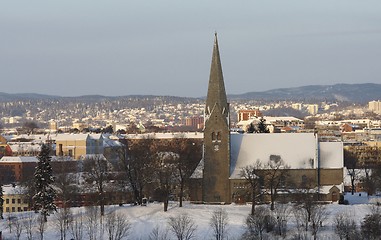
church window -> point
(219, 136)
(214, 137)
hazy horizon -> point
(164, 48)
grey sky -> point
(163, 47)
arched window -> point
(219, 136)
(214, 137)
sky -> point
(124, 47)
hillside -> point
(358, 93)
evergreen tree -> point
(251, 128)
(1, 201)
(262, 128)
(43, 181)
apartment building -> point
(14, 199)
(375, 106)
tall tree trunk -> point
(166, 204)
(102, 204)
(181, 194)
(253, 203)
(353, 184)
(272, 196)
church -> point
(218, 177)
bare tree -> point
(41, 225)
(351, 163)
(63, 218)
(92, 222)
(345, 227)
(66, 183)
(183, 227)
(371, 225)
(307, 198)
(157, 234)
(136, 162)
(219, 224)
(10, 221)
(281, 214)
(301, 223)
(318, 216)
(275, 176)
(117, 226)
(369, 180)
(76, 227)
(311, 219)
(188, 154)
(97, 170)
(251, 174)
(166, 175)
(17, 223)
(257, 224)
(29, 223)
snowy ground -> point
(144, 219)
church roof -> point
(298, 150)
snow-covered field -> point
(144, 219)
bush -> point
(261, 222)
(371, 226)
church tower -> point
(216, 170)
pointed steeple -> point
(216, 157)
(216, 88)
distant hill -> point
(359, 93)
(24, 96)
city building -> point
(78, 146)
(244, 115)
(313, 109)
(14, 199)
(194, 122)
(375, 106)
(16, 169)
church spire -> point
(216, 88)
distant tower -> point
(216, 171)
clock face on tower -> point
(216, 147)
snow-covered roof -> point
(284, 119)
(198, 172)
(70, 137)
(18, 159)
(327, 188)
(24, 146)
(331, 154)
(298, 151)
(197, 135)
(92, 156)
(13, 189)
(111, 143)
